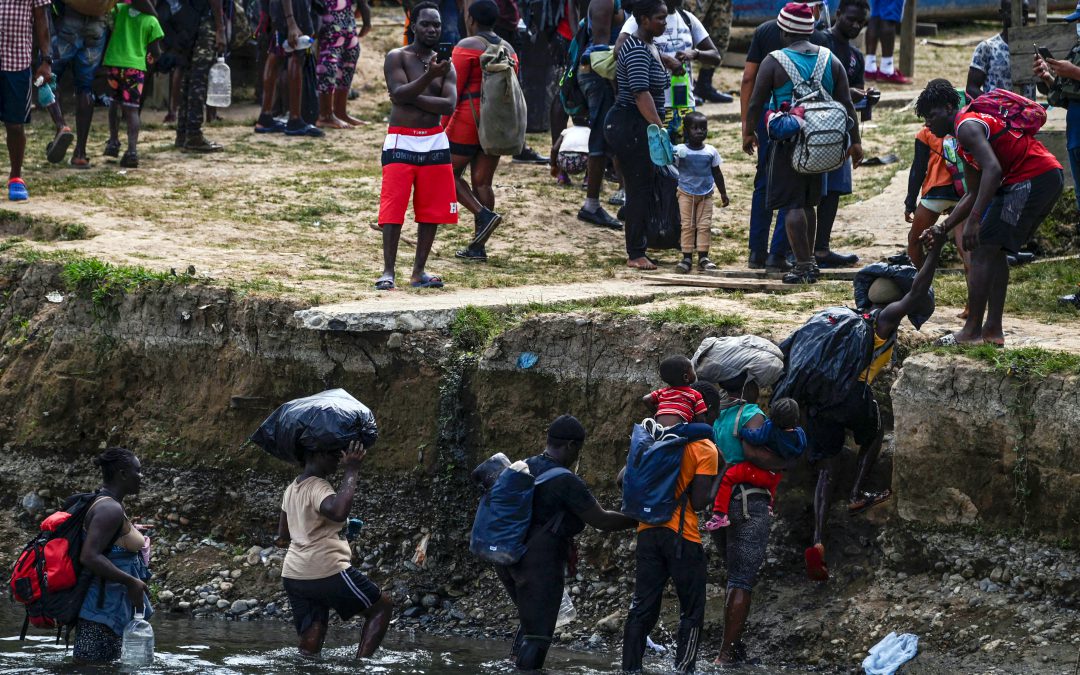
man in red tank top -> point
(1013, 181)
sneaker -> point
(871, 75)
(599, 217)
(618, 199)
(901, 258)
(896, 78)
(801, 274)
(1071, 300)
(777, 263)
(756, 261)
(834, 259)
(529, 156)
(718, 521)
(472, 254)
(1021, 258)
(486, 222)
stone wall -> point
(976, 446)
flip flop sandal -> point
(384, 285)
(869, 500)
(58, 147)
(80, 163)
(428, 281)
(946, 341)
(275, 128)
(815, 563)
(306, 130)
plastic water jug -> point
(567, 611)
(219, 91)
(302, 43)
(138, 646)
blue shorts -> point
(15, 96)
(80, 40)
(888, 10)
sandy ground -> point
(287, 216)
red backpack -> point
(48, 577)
(1018, 113)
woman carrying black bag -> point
(641, 81)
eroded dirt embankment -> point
(183, 373)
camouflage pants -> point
(716, 16)
(189, 116)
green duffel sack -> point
(91, 7)
(602, 63)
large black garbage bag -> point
(327, 421)
(824, 358)
(904, 276)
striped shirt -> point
(637, 69)
(17, 33)
(686, 402)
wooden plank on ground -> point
(701, 281)
(827, 275)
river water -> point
(185, 645)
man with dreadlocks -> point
(1013, 181)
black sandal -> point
(130, 160)
(112, 149)
(803, 273)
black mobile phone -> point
(1043, 52)
(443, 51)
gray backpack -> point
(822, 144)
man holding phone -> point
(990, 64)
(423, 87)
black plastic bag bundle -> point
(326, 421)
(824, 358)
(904, 276)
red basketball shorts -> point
(420, 159)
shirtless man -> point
(422, 88)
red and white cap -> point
(797, 18)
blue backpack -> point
(652, 470)
(505, 513)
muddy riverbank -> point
(182, 372)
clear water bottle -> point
(138, 646)
(567, 611)
(302, 43)
(219, 91)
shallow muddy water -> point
(185, 645)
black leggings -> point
(626, 135)
(535, 584)
(661, 555)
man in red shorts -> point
(416, 151)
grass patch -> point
(105, 284)
(1033, 290)
(692, 315)
(41, 228)
(1023, 363)
(473, 328)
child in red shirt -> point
(678, 402)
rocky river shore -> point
(979, 602)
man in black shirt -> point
(562, 507)
(851, 18)
(767, 38)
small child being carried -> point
(780, 434)
(678, 402)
